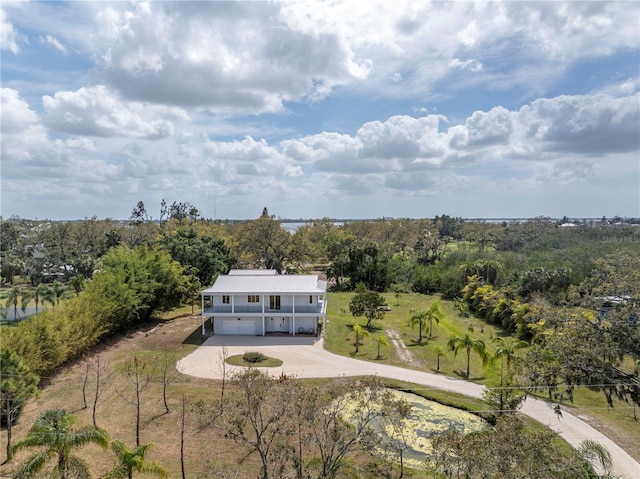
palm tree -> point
(48, 296)
(382, 341)
(507, 349)
(360, 333)
(54, 431)
(469, 344)
(439, 353)
(77, 282)
(41, 291)
(597, 456)
(133, 460)
(24, 301)
(59, 291)
(12, 299)
(434, 313)
(421, 316)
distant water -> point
(293, 226)
(21, 315)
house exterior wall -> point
(263, 312)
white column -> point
(202, 312)
(293, 310)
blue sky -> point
(321, 109)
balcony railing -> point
(313, 309)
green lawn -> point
(340, 339)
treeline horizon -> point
(577, 220)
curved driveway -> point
(306, 358)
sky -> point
(339, 109)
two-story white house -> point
(259, 302)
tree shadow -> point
(196, 337)
(357, 355)
(463, 375)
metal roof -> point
(252, 272)
(268, 284)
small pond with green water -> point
(427, 420)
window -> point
(253, 298)
(226, 299)
(274, 302)
(310, 299)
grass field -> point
(339, 337)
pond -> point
(427, 420)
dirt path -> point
(306, 358)
(398, 344)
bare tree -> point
(138, 378)
(258, 418)
(167, 375)
(86, 363)
(183, 421)
(396, 436)
(340, 419)
(100, 370)
(222, 361)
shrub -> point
(254, 357)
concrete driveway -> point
(304, 357)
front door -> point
(284, 325)
(272, 325)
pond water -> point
(21, 314)
(427, 420)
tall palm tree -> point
(133, 460)
(54, 431)
(506, 351)
(421, 316)
(48, 296)
(24, 301)
(59, 291)
(42, 291)
(12, 300)
(469, 344)
(434, 313)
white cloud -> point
(54, 42)
(589, 124)
(223, 56)
(545, 140)
(95, 111)
(172, 103)
(471, 65)
(8, 35)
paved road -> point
(306, 358)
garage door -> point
(239, 327)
